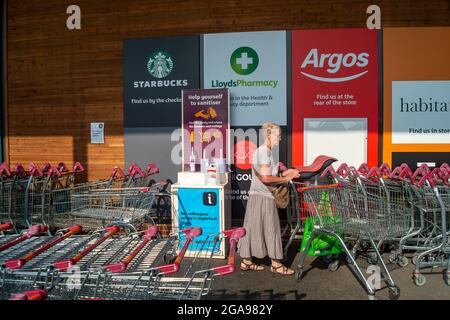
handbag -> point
(280, 193)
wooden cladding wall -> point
(59, 80)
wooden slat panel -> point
(59, 80)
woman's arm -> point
(266, 177)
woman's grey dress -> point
(263, 237)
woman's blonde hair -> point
(268, 127)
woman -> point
(261, 222)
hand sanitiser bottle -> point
(192, 160)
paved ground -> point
(320, 283)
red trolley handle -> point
(4, 170)
(438, 173)
(149, 234)
(117, 171)
(34, 170)
(78, 167)
(404, 165)
(152, 169)
(374, 171)
(66, 264)
(19, 170)
(137, 171)
(420, 171)
(406, 172)
(363, 168)
(343, 170)
(353, 171)
(19, 263)
(45, 167)
(385, 169)
(62, 167)
(190, 233)
(53, 172)
(30, 295)
(131, 167)
(446, 179)
(445, 167)
(6, 227)
(395, 174)
(234, 235)
(425, 167)
(34, 231)
(329, 170)
(426, 177)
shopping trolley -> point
(432, 199)
(345, 210)
(191, 279)
(65, 260)
(7, 242)
(423, 227)
(12, 194)
(98, 208)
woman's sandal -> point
(252, 266)
(284, 270)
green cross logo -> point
(244, 61)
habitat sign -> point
(253, 66)
(420, 112)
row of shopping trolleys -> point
(112, 263)
(371, 210)
(53, 196)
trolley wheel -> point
(327, 259)
(447, 277)
(403, 261)
(169, 258)
(420, 280)
(372, 297)
(372, 258)
(298, 275)
(394, 293)
(393, 257)
(333, 266)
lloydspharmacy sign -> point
(244, 61)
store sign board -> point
(420, 112)
(253, 66)
(334, 75)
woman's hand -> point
(288, 171)
(291, 174)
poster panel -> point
(334, 75)
(253, 66)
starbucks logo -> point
(160, 64)
(244, 61)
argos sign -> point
(335, 75)
(332, 63)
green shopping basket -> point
(323, 244)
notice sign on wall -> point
(253, 66)
(97, 132)
(420, 112)
(206, 115)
